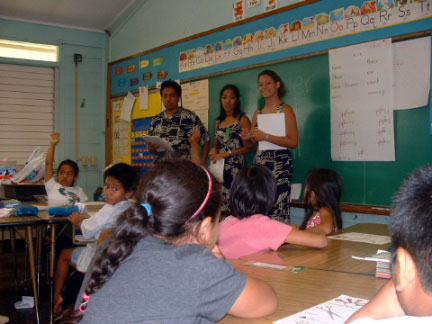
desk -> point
(330, 272)
(299, 291)
(28, 222)
(337, 256)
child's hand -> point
(215, 157)
(55, 138)
(217, 252)
(77, 218)
(257, 135)
(195, 136)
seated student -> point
(63, 192)
(407, 297)
(120, 180)
(159, 267)
(253, 193)
(323, 193)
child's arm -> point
(77, 218)
(257, 299)
(49, 161)
(327, 224)
(385, 304)
(306, 238)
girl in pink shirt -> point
(322, 198)
(249, 230)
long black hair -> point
(175, 191)
(327, 186)
(237, 110)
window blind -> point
(27, 111)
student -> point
(159, 266)
(407, 297)
(120, 180)
(323, 193)
(279, 162)
(228, 143)
(249, 230)
(176, 124)
(63, 192)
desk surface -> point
(299, 291)
(337, 256)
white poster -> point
(269, 5)
(411, 72)
(253, 3)
(128, 104)
(238, 10)
(143, 95)
(361, 96)
(195, 97)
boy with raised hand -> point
(407, 297)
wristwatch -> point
(267, 137)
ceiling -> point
(96, 15)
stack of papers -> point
(383, 260)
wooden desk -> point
(337, 256)
(28, 222)
(299, 291)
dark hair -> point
(253, 192)
(174, 189)
(411, 221)
(272, 74)
(171, 84)
(123, 173)
(237, 111)
(72, 164)
(327, 186)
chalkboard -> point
(308, 85)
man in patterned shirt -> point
(176, 125)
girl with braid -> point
(162, 264)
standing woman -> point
(279, 162)
(228, 143)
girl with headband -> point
(162, 264)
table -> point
(337, 256)
(28, 222)
(330, 272)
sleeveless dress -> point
(228, 138)
(281, 164)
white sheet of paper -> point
(411, 66)
(217, 169)
(128, 104)
(362, 237)
(143, 94)
(335, 311)
(273, 124)
(296, 189)
(163, 145)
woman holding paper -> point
(229, 146)
(274, 128)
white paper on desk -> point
(380, 256)
(143, 95)
(273, 124)
(6, 212)
(411, 72)
(128, 104)
(362, 237)
(296, 189)
(337, 310)
(163, 145)
(217, 169)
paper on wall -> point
(411, 72)
(143, 95)
(296, 189)
(273, 124)
(128, 104)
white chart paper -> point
(411, 63)
(362, 102)
(128, 104)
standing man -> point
(176, 125)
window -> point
(28, 51)
(26, 110)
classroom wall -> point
(92, 87)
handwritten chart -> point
(196, 98)
(361, 92)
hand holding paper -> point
(158, 143)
